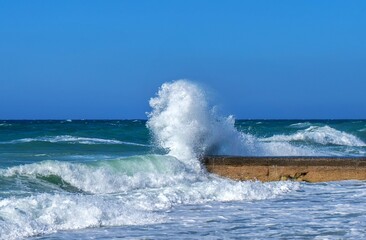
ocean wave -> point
(123, 176)
(48, 213)
(107, 176)
(183, 123)
(321, 135)
(300, 125)
(73, 140)
(136, 190)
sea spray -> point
(183, 123)
(121, 175)
(324, 135)
(188, 127)
(68, 192)
(131, 191)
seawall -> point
(309, 169)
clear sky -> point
(105, 59)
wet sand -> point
(309, 169)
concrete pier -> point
(309, 169)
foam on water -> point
(109, 176)
(362, 130)
(322, 135)
(183, 123)
(72, 140)
(135, 190)
(300, 125)
(140, 189)
(47, 213)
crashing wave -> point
(322, 135)
(183, 123)
(72, 140)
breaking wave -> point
(47, 213)
(362, 130)
(56, 195)
(300, 125)
(321, 135)
(131, 191)
(107, 176)
(183, 123)
(72, 140)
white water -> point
(187, 126)
(322, 135)
(47, 213)
(141, 190)
(135, 190)
(183, 123)
(300, 125)
(110, 176)
(71, 140)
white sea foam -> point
(47, 213)
(139, 190)
(136, 190)
(300, 125)
(72, 140)
(109, 176)
(183, 122)
(322, 135)
(145, 172)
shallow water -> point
(334, 210)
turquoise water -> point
(137, 179)
(110, 179)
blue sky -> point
(105, 59)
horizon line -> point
(145, 119)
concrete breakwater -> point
(309, 169)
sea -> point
(143, 179)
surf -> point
(187, 126)
(68, 139)
(50, 195)
(137, 190)
(324, 135)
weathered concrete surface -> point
(310, 169)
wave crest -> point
(47, 213)
(183, 123)
(72, 140)
(136, 190)
(322, 135)
(108, 176)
